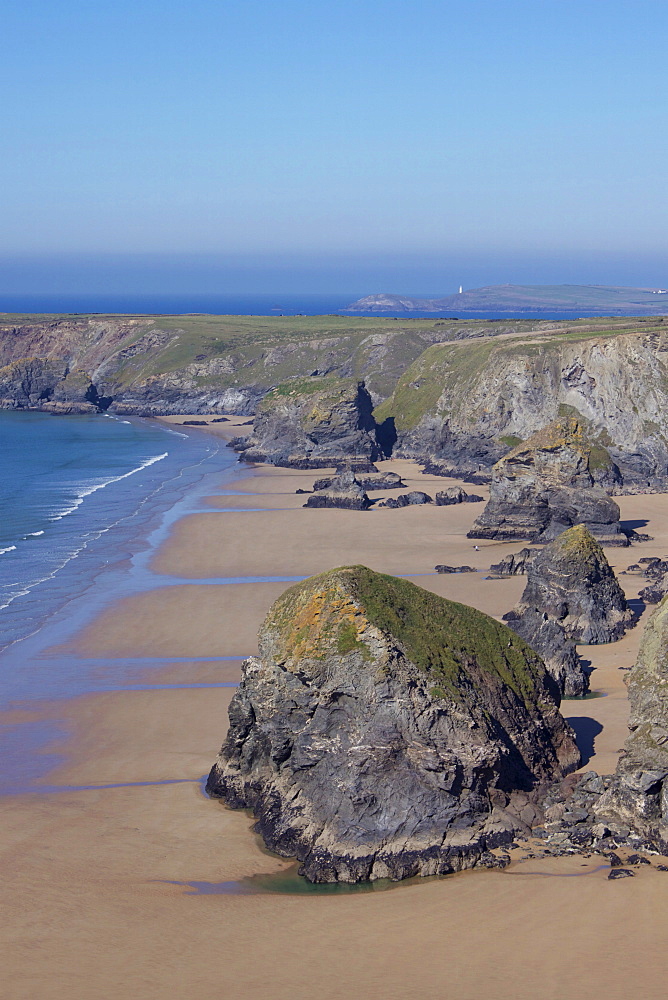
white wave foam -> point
(10, 548)
(87, 490)
(34, 534)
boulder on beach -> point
(415, 497)
(514, 564)
(455, 494)
(383, 731)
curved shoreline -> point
(111, 862)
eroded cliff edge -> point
(387, 732)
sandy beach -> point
(123, 880)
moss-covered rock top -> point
(298, 388)
(578, 545)
(339, 612)
(566, 432)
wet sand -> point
(96, 875)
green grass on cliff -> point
(444, 639)
(449, 371)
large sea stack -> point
(553, 480)
(572, 582)
(387, 732)
(313, 423)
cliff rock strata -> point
(313, 425)
(638, 797)
(463, 404)
(386, 732)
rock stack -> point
(384, 731)
(343, 491)
(572, 582)
(571, 595)
(313, 423)
(553, 480)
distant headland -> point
(599, 300)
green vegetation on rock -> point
(329, 613)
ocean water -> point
(81, 496)
(236, 305)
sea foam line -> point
(10, 548)
(82, 494)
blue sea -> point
(81, 498)
(232, 305)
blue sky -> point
(303, 145)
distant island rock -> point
(519, 300)
(385, 732)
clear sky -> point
(312, 144)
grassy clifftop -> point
(463, 378)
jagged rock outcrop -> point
(455, 494)
(369, 482)
(637, 800)
(572, 582)
(514, 564)
(548, 637)
(463, 404)
(344, 491)
(40, 383)
(549, 483)
(412, 499)
(312, 425)
(386, 732)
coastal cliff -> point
(455, 394)
(312, 424)
(386, 732)
(465, 404)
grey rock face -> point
(638, 797)
(455, 494)
(344, 491)
(387, 732)
(548, 484)
(313, 429)
(514, 564)
(572, 583)
(558, 652)
(43, 384)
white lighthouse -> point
(461, 289)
